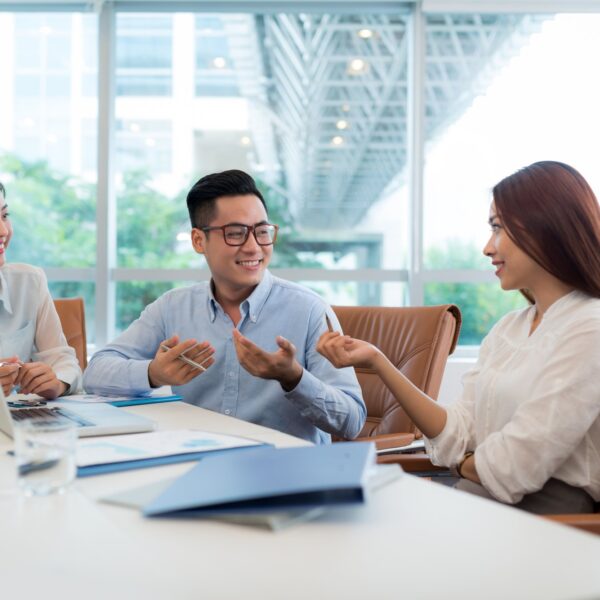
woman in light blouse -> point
(34, 354)
(526, 430)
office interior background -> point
(376, 130)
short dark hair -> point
(552, 214)
(2, 189)
(202, 198)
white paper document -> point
(90, 398)
(140, 446)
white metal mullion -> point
(105, 201)
(292, 274)
(415, 136)
(69, 274)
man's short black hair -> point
(202, 198)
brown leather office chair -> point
(586, 522)
(71, 312)
(418, 341)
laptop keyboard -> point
(55, 415)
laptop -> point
(90, 419)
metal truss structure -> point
(329, 96)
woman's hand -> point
(39, 378)
(9, 371)
(344, 351)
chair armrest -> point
(589, 522)
(388, 440)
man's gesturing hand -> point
(167, 368)
(280, 365)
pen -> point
(329, 325)
(185, 359)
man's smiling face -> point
(236, 270)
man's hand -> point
(280, 365)
(39, 378)
(9, 371)
(344, 351)
(167, 368)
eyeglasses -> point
(265, 234)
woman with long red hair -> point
(526, 430)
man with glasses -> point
(243, 344)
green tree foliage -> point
(54, 218)
(481, 304)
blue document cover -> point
(268, 479)
(145, 463)
(145, 400)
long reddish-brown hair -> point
(551, 213)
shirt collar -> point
(251, 306)
(558, 307)
(4, 295)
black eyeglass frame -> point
(248, 229)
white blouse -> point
(29, 325)
(530, 408)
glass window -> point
(481, 306)
(51, 197)
(360, 293)
(507, 102)
(134, 296)
(144, 55)
(322, 132)
(503, 91)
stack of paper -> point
(122, 452)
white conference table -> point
(414, 539)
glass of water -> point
(45, 455)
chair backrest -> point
(417, 340)
(71, 312)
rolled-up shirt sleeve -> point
(548, 427)
(459, 435)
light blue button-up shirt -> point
(325, 401)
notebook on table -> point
(90, 419)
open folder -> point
(123, 452)
(268, 479)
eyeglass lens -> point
(236, 235)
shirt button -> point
(227, 412)
(231, 374)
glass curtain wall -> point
(48, 128)
(315, 105)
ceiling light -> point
(183, 236)
(337, 140)
(219, 62)
(245, 140)
(150, 142)
(346, 107)
(357, 66)
(134, 127)
(365, 34)
(342, 124)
